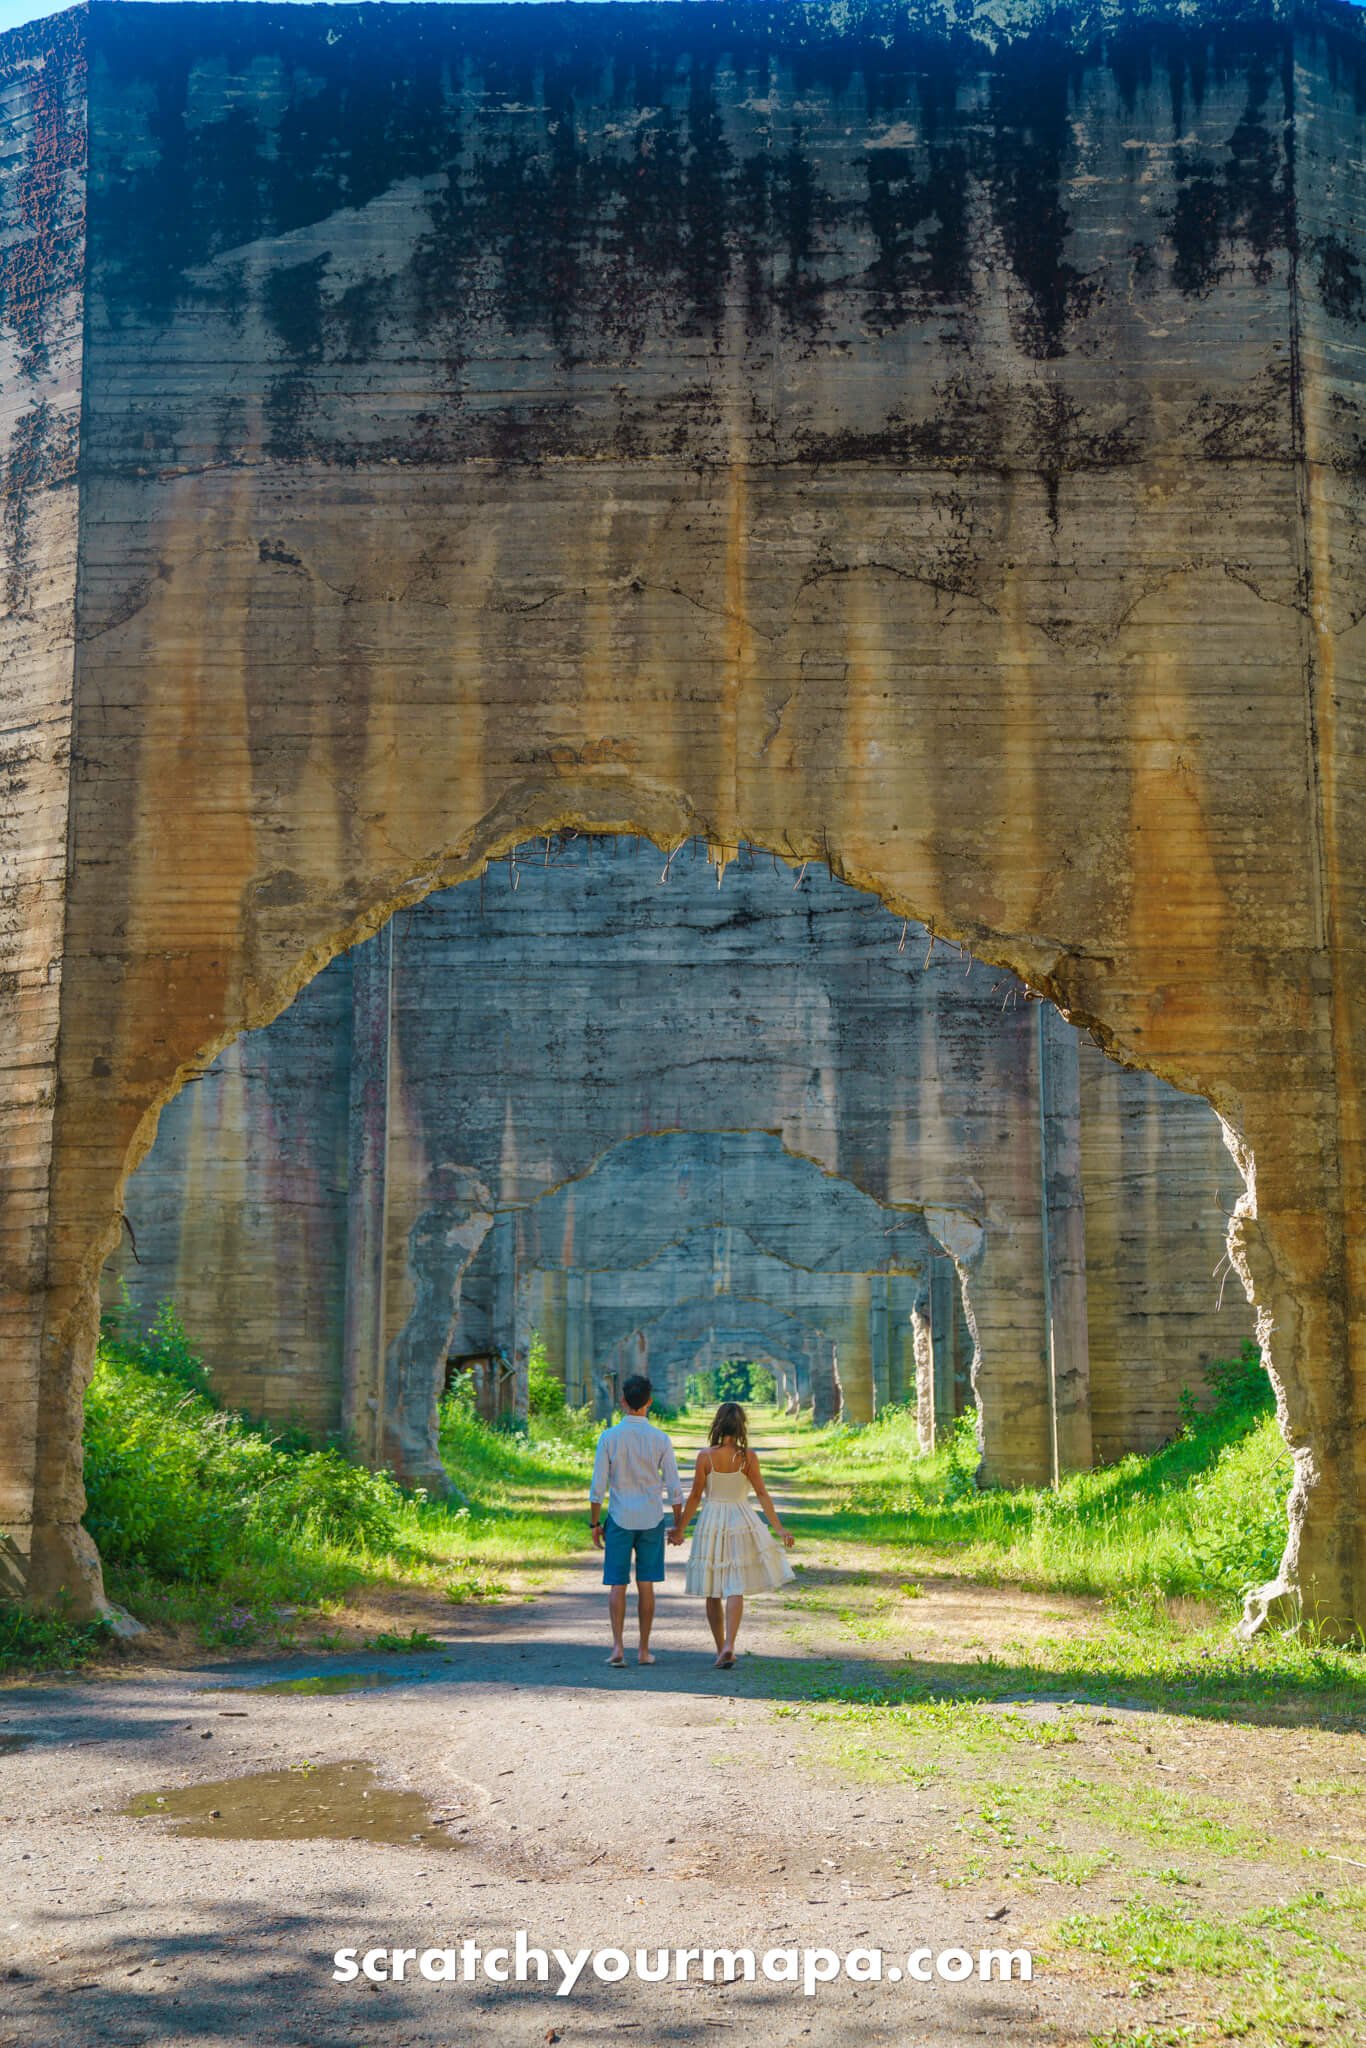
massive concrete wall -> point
(42, 266)
(1330, 281)
(864, 433)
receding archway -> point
(356, 1192)
(727, 1325)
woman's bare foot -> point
(724, 1661)
(646, 1657)
(617, 1658)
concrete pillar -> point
(825, 1391)
(507, 1340)
(367, 1196)
(920, 1335)
(578, 1337)
(903, 1293)
(545, 1314)
(964, 1351)
(942, 1403)
(879, 1341)
(855, 1354)
(1064, 1242)
(1159, 1183)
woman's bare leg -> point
(735, 1607)
(715, 1622)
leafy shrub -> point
(964, 1457)
(1241, 1387)
(44, 1642)
(321, 1493)
(178, 1486)
(162, 1348)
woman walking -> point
(732, 1552)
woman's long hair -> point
(729, 1422)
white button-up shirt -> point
(635, 1465)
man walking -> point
(635, 1470)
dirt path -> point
(671, 1807)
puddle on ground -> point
(9, 1743)
(319, 1802)
(332, 1681)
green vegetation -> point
(208, 1519)
(1204, 1517)
(734, 1380)
(1297, 1967)
(48, 1642)
(545, 1393)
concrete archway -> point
(867, 1312)
(1051, 686)
(726, 1325)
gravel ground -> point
(592, 1808)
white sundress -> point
(733, 1550)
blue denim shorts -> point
(619, 1544)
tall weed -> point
(1204, 1516)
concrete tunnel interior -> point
(645, 1104)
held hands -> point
(676, 1535)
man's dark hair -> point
(637, 1391)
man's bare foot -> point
(724, 1661)
(646, 1657)
(618, 1657)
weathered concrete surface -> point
(42, 270)
(908, 444)
(1156, 1178)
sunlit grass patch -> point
(1299, 1969)
(1200, 1519)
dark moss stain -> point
(292, 298)
(44, 66)
(289, 405)
(1142, 52)
(358, 313)
(1340, 281)
(596, 179)
(1243, 197)
(1333, 38)
(921, 227)
(41, 455)
(276, 551)
(1256, 426)
(1031, 104)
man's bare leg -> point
(645, 1604)
(616, 1608)
(716, 1610)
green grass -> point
(1203, 1518)
(1293, 1972)
(207, 1519)
(1166, 1544)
